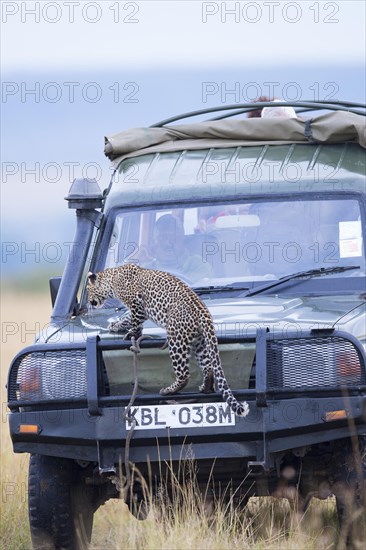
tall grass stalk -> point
(184, 517)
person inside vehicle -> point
(170, 252)
(271, 112)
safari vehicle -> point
(270, 233)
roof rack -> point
(240, 108)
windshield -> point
(244, 242)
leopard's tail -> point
(240, 409)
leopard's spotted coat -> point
(170, 303)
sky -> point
(75, 71)
(82, 34)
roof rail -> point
(240, 108)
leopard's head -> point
(99, 288)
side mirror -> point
(55, 283)
(54, 286)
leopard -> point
(173, 305)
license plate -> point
(200, 415)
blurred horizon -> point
(73, 72)
(63, 139)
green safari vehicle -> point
(265, 218)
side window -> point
(125, 239)
(336, 231)
(112, 254)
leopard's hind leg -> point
(180, 352)
(203, 357)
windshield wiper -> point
(218, 288)
(309, 273)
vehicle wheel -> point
(61, 506)
(350, 492)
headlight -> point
(49, 375)
(314, 362)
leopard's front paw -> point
(119, 326)
(123, 324)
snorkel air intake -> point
(84, 196)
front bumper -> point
(283, 416)
(281, 426)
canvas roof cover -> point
(334, 127)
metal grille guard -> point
(271, 348)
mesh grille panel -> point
(314, 362)
(49, 375)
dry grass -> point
(266, 524)
(22, 314)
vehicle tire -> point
(60, 504)
(350, 492)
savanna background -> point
(72, 72)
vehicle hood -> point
(267, 311)
(244, 315)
